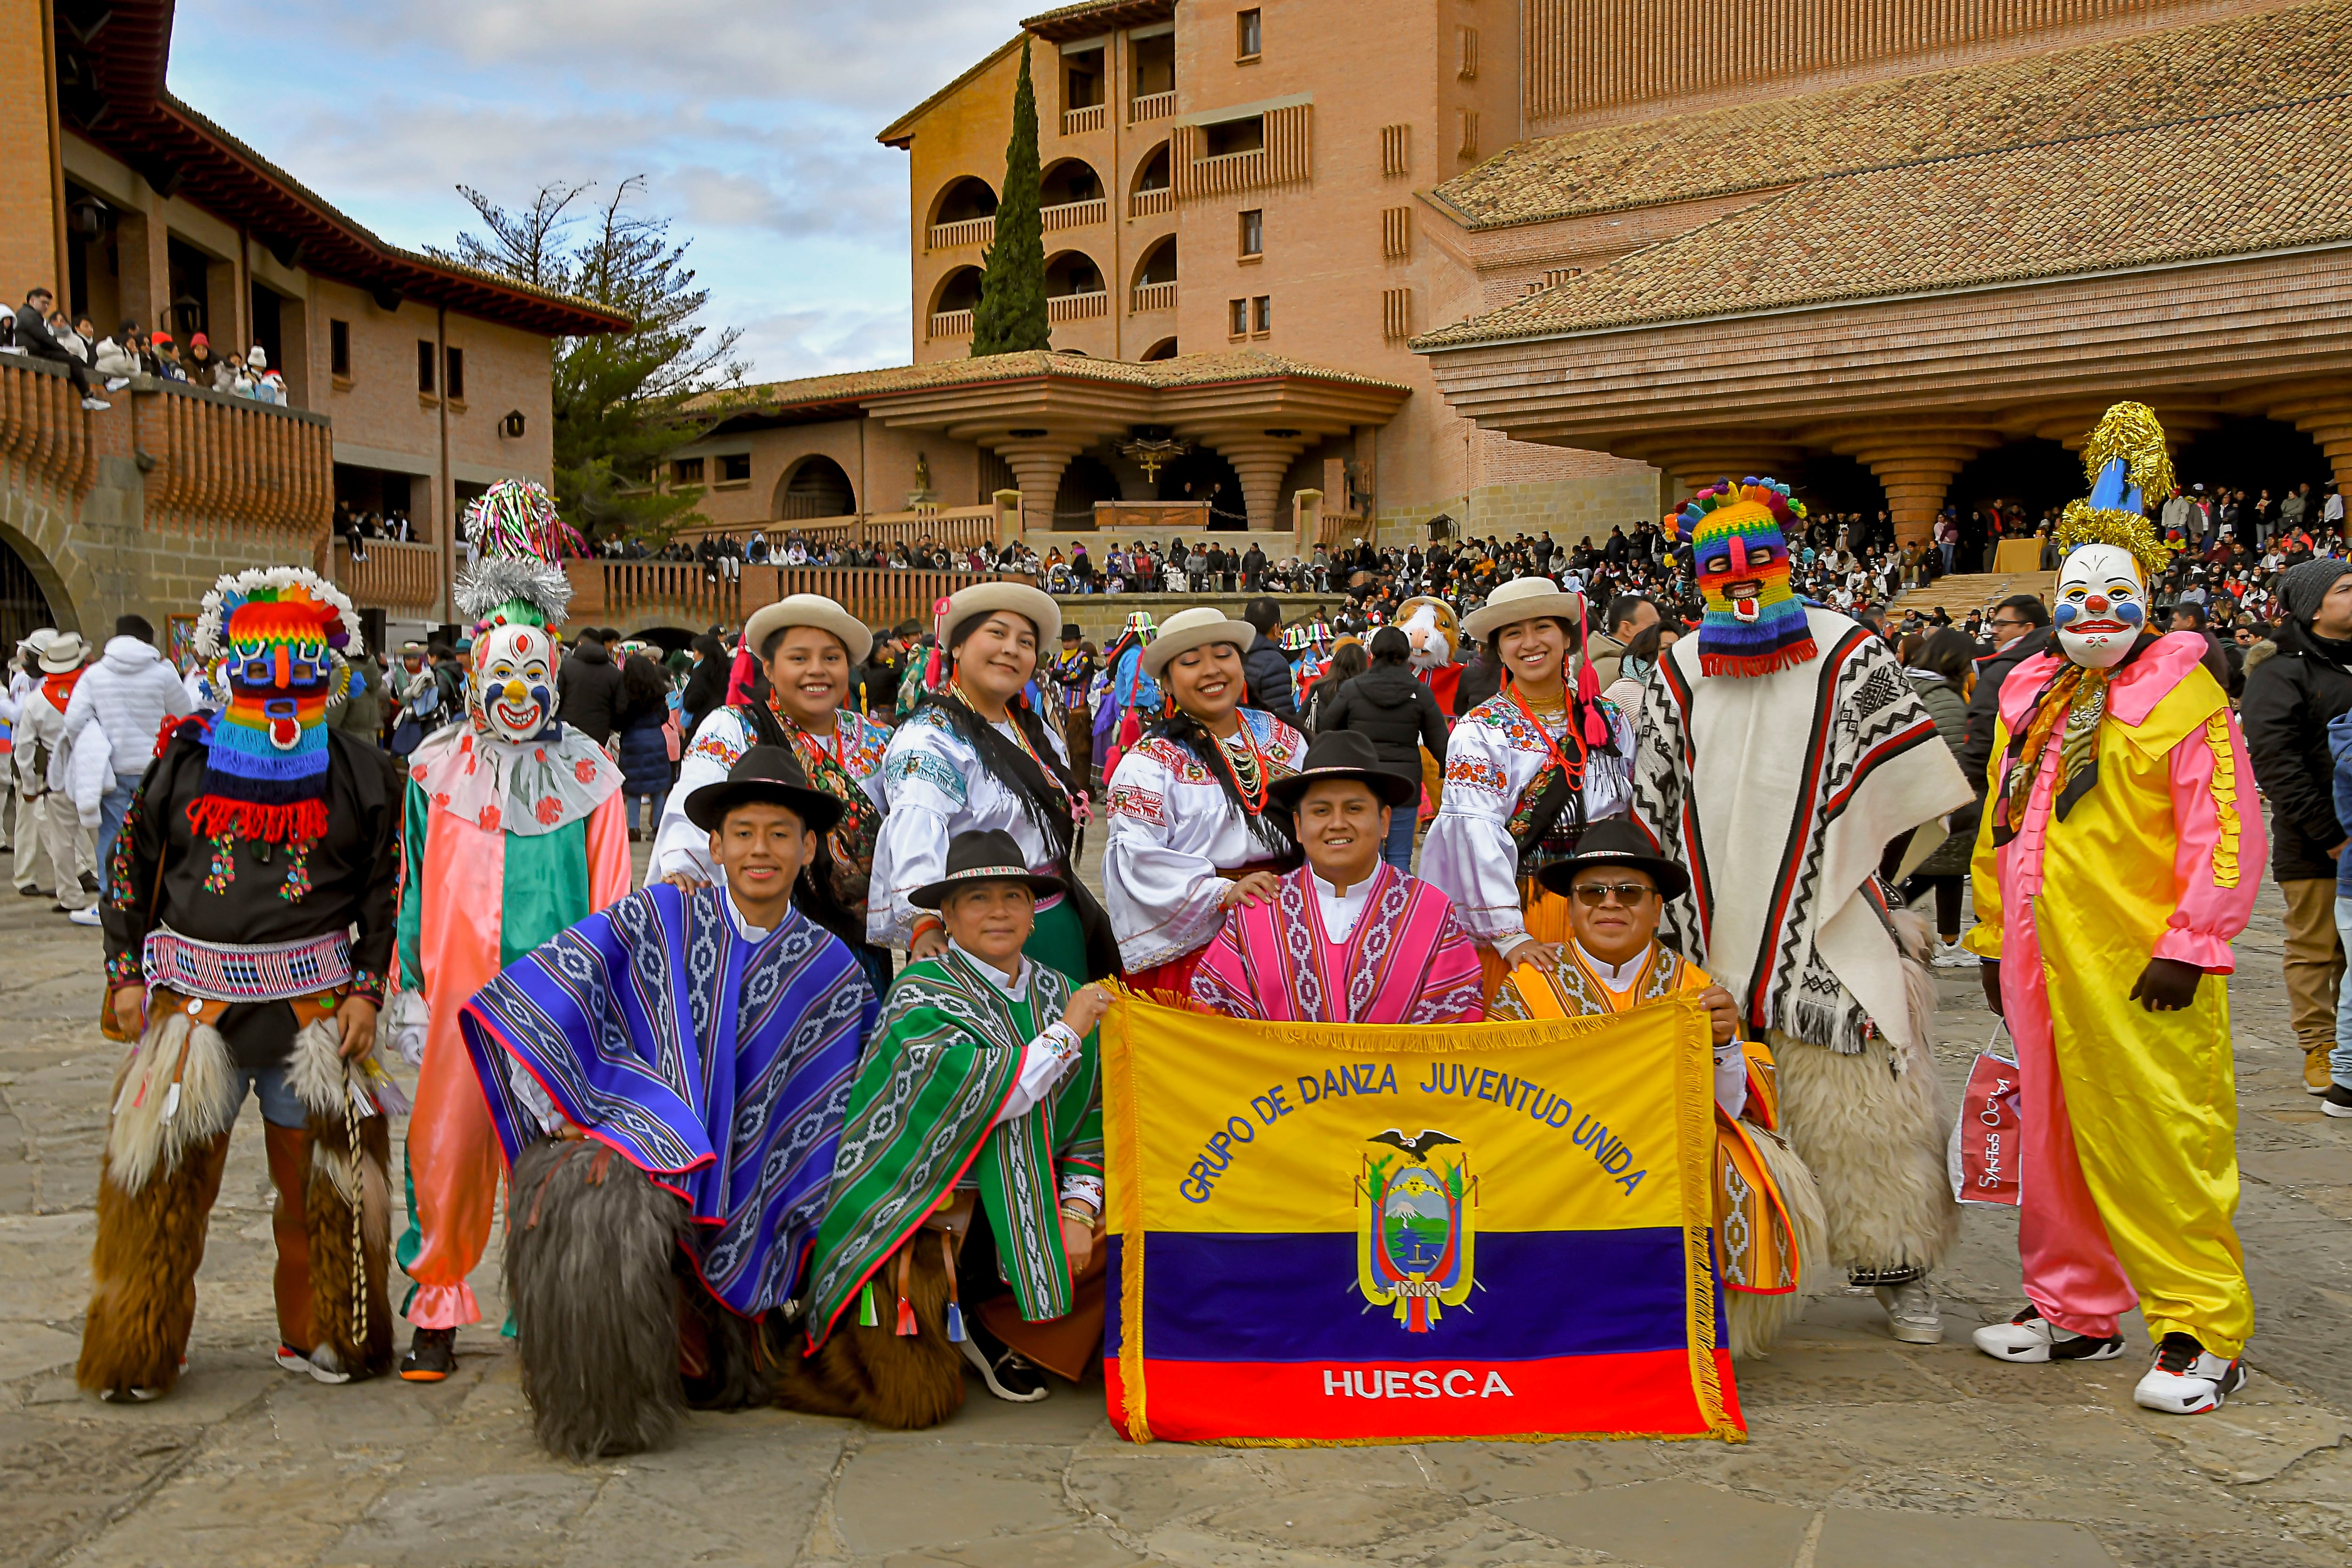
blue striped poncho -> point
(718, 1065)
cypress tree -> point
(1010, 315)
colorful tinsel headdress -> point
(1754, 623)
(275, 641)
(515, 546)
(2125, 461)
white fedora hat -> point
(1194, 628)
(62, 653)
(1522, 599)
(808, 610)
(1033, 604)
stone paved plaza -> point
(1863, 1453)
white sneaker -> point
(87, 915)
(2031, 1337)
(322, 1363)
(1911, 1315)
(95, 404)
(116, 383)
(2187, 1379)
(1952, 955)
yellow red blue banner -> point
(1362, 1233)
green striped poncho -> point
(944, 1057)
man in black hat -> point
(982, 1090)
(1346, 938)
(1767, 1212)
(708, 1038)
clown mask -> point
(2102, 605)
(514, 681)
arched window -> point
(966, 197)
(1069, 180)
(1158, 263)
(1072, 272)
(816, 486)
(1164, 349)
(959, 291)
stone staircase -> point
(1961, 593)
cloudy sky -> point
(754, 121)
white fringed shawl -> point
(1779, 793)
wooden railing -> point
(1151, 106)
(390, 576)
(1078, 122)
(1149, 203)
(634, 595)
(1073, 215)
(1153, 297)
(962, 232)
(47, 441)
(956, 527)
(223, 460)
(951, 323)
(1077, 307)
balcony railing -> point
(46, 439)
(634, 595)
(955, 527)
(951, 323)
(1077, 307)
(1153, 297)
(390, 576)
(1146, 106)
(1148, 204)
(961, 233)
(1075, 215)
(1078, 122)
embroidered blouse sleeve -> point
(719, 741)
(1469, 856)
(924, 791)
(2221, 848)
(1160, 884)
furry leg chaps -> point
(142, 1298)
(902, 1380)
(589, 1247)
(346, 1209)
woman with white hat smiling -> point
(1189, 834)
(972, 757)
(1526, 771)
(807, 647)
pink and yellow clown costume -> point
(2119, 852)
(515, 831)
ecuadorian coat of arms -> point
(1414, 1233)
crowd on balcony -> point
(39, 331)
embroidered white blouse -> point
(718, 744)
(1494, 756)
(1171, 829)
(933, 788)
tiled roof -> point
(2247, 62)
(2230, 184)
(1065, 22)
(1187, 369)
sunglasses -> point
(1592, 895)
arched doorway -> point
(23, 607)
(815, 487)
(1084, 482)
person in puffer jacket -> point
(128, 693)
(2336, 1100)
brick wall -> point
(28, 217)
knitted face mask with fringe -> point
(274, 637)
(1754, 623)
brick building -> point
(1561, 229)
(412, 383)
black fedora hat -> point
(1616, 842)
(770, 773)
(1344, 754)
(990, 857)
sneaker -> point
(1952, 955)
(128, 1395)
(2317, 1076)
(1911, 1315)
(116, 383)
(2336, 1101)
(432, 1355)
(1008, 1373)
(2031, 1337)
(322, 1363)
(2187, 1379)
(87, 915)
(88, 883)
(96, 404)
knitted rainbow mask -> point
(1754, 625)
(272, 636)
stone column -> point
(1692, 464)
(1038, 462)
(2325, 416)
(1916, 468)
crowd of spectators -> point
(38, 329)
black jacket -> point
(1975, 751)
(1482, 678)
(1266, 673)
(1396, 712)
(2290, 698)
(590, 690)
